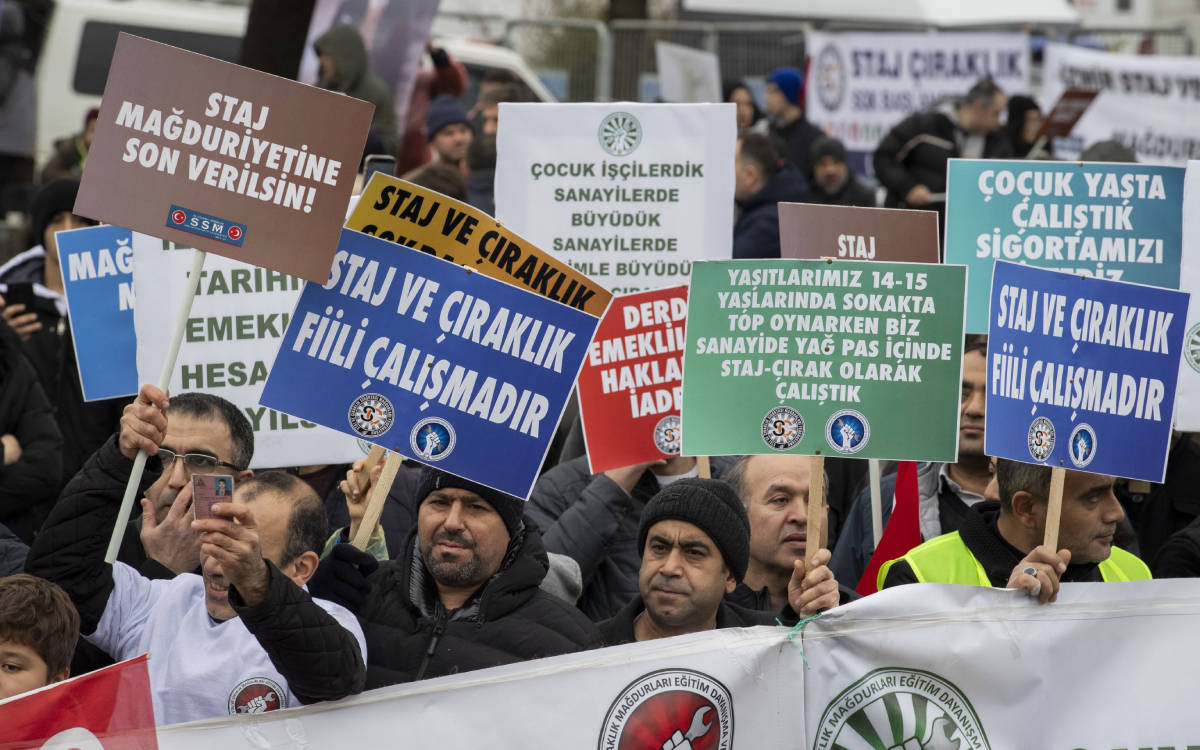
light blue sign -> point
(1081, 371)
(97, 270)
(434, 361)
(1122, 222)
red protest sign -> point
(1066, 113)
(223, 158)
(109, 708)
(631, 383)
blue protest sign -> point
(1082, 371)
(1113, 221)
(97, 270)
(432, 360)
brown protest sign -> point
(809, 231)
(222, 158)
(1066, 113)
(401, 212)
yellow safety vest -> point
(947, 559)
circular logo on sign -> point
(1082, 446)
(1191, 347)
(1040, 438)
(830, 78)
(178, 217)
(235, 233)
(901, 708)
(666, 434)
(782, 428)
(671, 708)
(847, 431)
(620, 133)
(371, 415)
(257, 696)
(432, 439)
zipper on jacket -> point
(439, 627)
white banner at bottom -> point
(929, 667)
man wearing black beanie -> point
(464, 593)
(695, 543)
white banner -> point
(1187, 394)
(1149, 103)
(686, 75)
(861, 84)
(629, 194)
(913, 668)
(237, 320)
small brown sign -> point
(808, 231)
(222, 158)
(1066, 113)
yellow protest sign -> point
(401, 212)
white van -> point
(82, 34)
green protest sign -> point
(824, 358)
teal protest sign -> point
(1121, 222)
(812, 357)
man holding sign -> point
(1002, 547)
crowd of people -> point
(458, 576)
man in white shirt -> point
(244, 637)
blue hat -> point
(789, 81)
(443, 111)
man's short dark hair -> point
(208, 406)
(509, 92)
(1014, 476)
(443, 178)
(306, 525)
(37, 613)
(975, 342)
(759, 150)
(984, 90)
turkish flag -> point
(109, 709)
(903, 530)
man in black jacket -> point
(245, 636)
(761, 180)
(833, 182)
(463, 595)
(911, 159)
(593, 518)
(695, 542)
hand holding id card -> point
(208, 489)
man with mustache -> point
(695, 542)
(1003, 547)
(464, 593)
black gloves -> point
(342, 576)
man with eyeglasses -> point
(198, 434)
(244, 636)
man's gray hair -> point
(1014, 476)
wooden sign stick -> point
(373, 458)
(816, 507)
(1058, 475)
(379, 493)
(704, 467)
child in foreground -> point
(38, 631)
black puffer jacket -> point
(916, 151)
(589, 518)
(619, 629)
(411, 636)
(756, 231)
(319, 658)
(28, 486)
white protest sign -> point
(1187, 401)
(931, 666)
(628, 194)
(686, 75)
(237, 320)
(1150, 103)
(861, 84)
